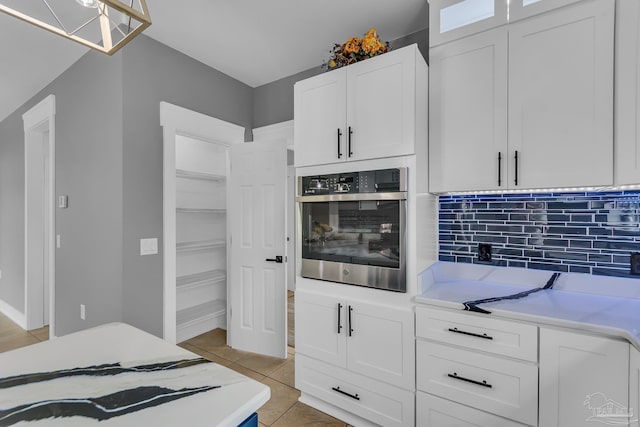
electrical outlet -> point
(82, 312)
(484, 252)
(635, 263)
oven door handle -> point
(353, 197)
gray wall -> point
(89, 170)
(152, 73)
(273, 102)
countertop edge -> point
(541, 321)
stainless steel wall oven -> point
(353, 228)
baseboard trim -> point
(13, 314)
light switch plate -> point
(63, 202)
(149, 246)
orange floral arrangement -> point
(356, 49)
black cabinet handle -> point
(349, 141)
(339, 135)
(516, 171)
(356, 397)
(481, 383)
(339, 322)
(277, 259)
(458, 331)
(499, 169)
(349, 321)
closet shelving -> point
(201, 237)
(183, 173)
(204, 245)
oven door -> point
(357, 239)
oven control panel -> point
(377, 181)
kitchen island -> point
(117, 375)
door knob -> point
(277, 259)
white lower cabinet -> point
(432, 411)
(501, 386)
(634, 386)
(370, 347)
(479, 370)
(363, 396)
(475, 370)
(582, 378)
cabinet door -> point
(520, 9)
(381, 105)
(321, 327)
(581, 376)
(454, 19)
(468, 113)
(320, 111)
(381, 343)
(627, 112)
(634, 385)
(561, 98)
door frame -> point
(176, 120)
(38, 122)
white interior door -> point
(256, 286)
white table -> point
(124, 376)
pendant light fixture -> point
(104, 25)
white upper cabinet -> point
(320, 109)
(627, 132)
(362, 111)
(520, 9)
(381, 105)
(527, 105)
(468, 113)
(561, 98)
(453, 19)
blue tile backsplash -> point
(570, 232)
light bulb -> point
(92, 4)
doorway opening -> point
(39, 129)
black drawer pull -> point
(482, 383)
(339, 322)
(356, 397)
(339, 135)
(349, 321)
(457, 331)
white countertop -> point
(201, 393)
(597, 304)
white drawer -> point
(375, 401)
(432, 411)
(504, 387)
(478, 332)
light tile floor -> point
(282, 410)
